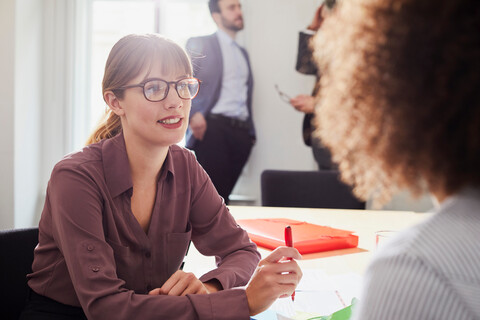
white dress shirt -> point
(233, 95)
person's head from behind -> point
(399, 105)
(227, 14)
(140, 99)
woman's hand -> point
(303, 103)
(180, 284)
(274, 277)
(317, 19)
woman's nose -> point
(173, 100)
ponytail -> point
(108, 127)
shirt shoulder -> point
(89, 156)
(185, 167)
(183, 162)
(447, 240)
(433, 262)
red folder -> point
(307, 237)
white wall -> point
(36, 63)
(38, 48)
(271, 38)
(7, 103)
(28, 98)
(20, 89)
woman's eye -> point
(154, 87)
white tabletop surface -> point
(363, 222)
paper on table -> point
(318, 294)
(266, 315)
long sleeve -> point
(93, 253)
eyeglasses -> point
(157, 89)
(285, 97)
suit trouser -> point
(224, 151)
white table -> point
(363, 222)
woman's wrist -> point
(213, 285)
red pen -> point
(289, 243)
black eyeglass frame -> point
(142, 85)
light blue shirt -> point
(233, 94)
(430, 271)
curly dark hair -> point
(399, 104)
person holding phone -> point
(306, 103)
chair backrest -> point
(16, 254)
(307, 189)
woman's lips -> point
(171, 122)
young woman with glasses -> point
(119, 215)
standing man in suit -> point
(221, 130)
(306, 103)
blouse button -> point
(148, 254)
(95, 268)
(90, 247)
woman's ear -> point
(113, 103)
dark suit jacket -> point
(207, 63)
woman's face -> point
(160, 123)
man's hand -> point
(303, 103)
(275, 277)
(180, 284)
(198, 125)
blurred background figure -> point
(399, 107)
(221, 129)
(306, 103)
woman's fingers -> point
(182, 283)
(274, 277)
(281, 253)
(155, 291)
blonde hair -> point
(130, 56)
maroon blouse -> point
(93, 253)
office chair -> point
(16, 254)
(307, 189)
